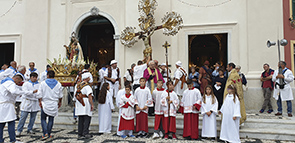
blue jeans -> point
(46, 127)
(289, 105)
(11, 131)
(22, 120)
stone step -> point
(276, 129)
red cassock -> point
(169, 125)
(158, 119)
(142, 122)
(126, 124)
(191, 124)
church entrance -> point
(96, 39)
(211, 47)
(7, 53)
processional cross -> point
(172, 23)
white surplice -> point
(285, 93)
(79, 108)
(190, 97)
(127, 113)
(229, 127)
(177, 75)
(144, 98)
(209, 122)
(105, 114)
(120, 93)
(50, 98)
(157, 93)
(173, 105)
(30, 102)
(8, 93)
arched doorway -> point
(211, 47)
(96, 39)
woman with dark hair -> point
(105, 108)
(218, 86)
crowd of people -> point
(149, 90)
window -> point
(7, 53)
(293, 9)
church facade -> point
(216, 30)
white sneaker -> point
(18, 134)
(155, 136)
(161, 134)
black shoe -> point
(138, 136)
(144, 135)
(88, 136)
(80, 137)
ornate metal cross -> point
(172, 23)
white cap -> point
(163, 64)
(86, 75)
(179, 63)
(113, 62)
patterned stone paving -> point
(70, 136)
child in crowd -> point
(121, 93)
(127, 104)
(105, 108)
(231, 116)
(159, 114)
(144, 99)
(209, 112)
(169, 102)
(191, 104)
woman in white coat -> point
(105, 108)
(284, 94)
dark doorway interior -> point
(212, 47)
(96, 39)
(7, 53)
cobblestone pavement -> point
(70, 136)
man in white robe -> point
(179, 83)
(44, 74)
(50, 97)
(29, 105)
(21, 70)
(84, 113)
(9, 72)
(112, 76)
(31, 70)
(283, 93)
(8, 93)
(138, 72)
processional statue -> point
(172, 23)
(74, 50)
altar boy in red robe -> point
(169, 103)
(144, 99)
(127, 104)
(191, 104)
